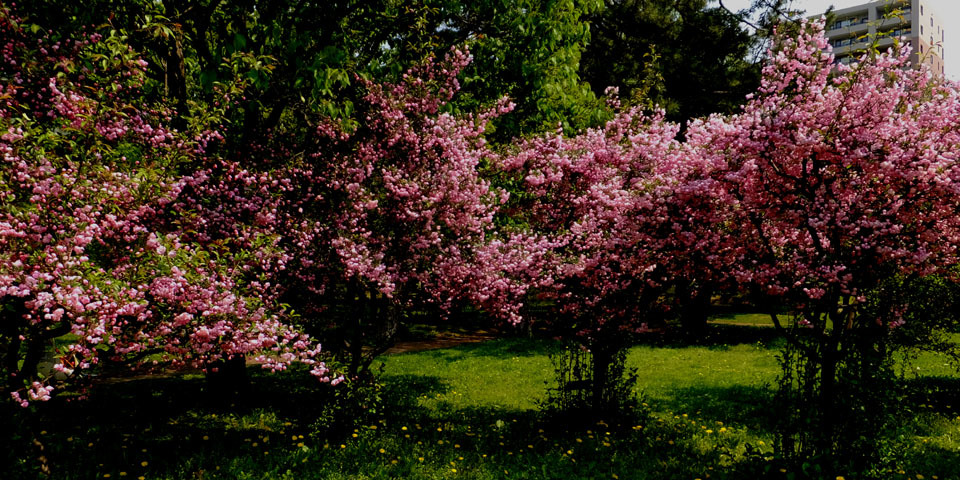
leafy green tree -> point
(688, 56)
(302, 58)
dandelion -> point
(420, 459)
(383, 451)
(709, 431)
(342, 446)
(403, 428)
(144, 463)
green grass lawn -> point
(465, 412)
(749, 319)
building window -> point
(921, 29)
(921, 9)
(931, 21)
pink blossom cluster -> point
(398, 202)
(834, 177)
(126, 259)
(141, 244)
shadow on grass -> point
(749, 407)
(499, 348)
(718, 337)
(934, 393)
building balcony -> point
(850, 30)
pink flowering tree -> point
(608, 207)
(89, 253)
(386, 213)
(835, 178)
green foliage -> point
(688, 57)
(840, 430)
(529, 51)
(298, 60)
(841, 422)
(575, 394)
(348, 406)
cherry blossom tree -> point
(835, 178)
(389, 211)
(89, 254)
(614, 212)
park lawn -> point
(464, 412)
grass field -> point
(464, 412)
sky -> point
(948, 11)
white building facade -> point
(913, 22)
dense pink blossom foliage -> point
(835, 177)
(140, 243)
(397, 203)
(90, 242)
(599, 204)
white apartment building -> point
(852, 29)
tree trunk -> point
(357, 335)
(828, 393)
(12, 326)
(695, 309)
(602, 358)
(227, 378)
